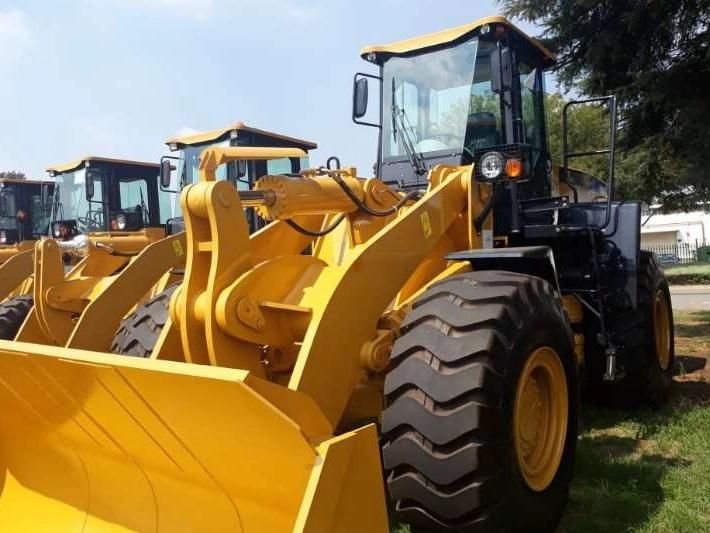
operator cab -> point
(475, 94)
(455, 96)
(100, 194)
(25, 209)
(242, 174)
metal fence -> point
(680, 253)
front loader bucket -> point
(99, 442)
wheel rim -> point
(662, 329)
(540, 418)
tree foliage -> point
(654, 55)
(12, 174)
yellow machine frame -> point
(248, 330)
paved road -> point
(691, 297)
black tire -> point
(447, 443)
(644, 381)
(139, 331)
(13, 313)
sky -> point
(118, 77)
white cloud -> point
(204, 9)
(284, 9)
(197, 9)
(185, 131)
(15, 35)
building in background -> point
(676, 228)
(677, 238)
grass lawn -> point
(649, 471)
(697, 273)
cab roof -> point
(447, 36)
(214, 135)
(31, 181)
(81, 162)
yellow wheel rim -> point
(540, 418)
(662, 329)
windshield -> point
(8, 215)
(73, 205)
(188, 167)
(443, 99)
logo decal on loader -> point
(177, 248)
(426, 224)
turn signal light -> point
(514, 168)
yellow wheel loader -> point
(25, 209)
(84, 307)
(110, 205)
(437, 316)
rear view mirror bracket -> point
(91, 174)
(360, 98)
(45, 197)
(166, 173)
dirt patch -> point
(692, 348)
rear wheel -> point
(646, 337)
(13, 313)
(480, 427)
(139, 331)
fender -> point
(533, 260)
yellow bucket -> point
(99, 442)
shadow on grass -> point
(617, 484)
(686, 364)
(695, 391)
(693, 330)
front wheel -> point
(13, 313)
(139, 332)
(480, 427)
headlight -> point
(3, 237)
(121, 222)
(56, 230)
(492, 165)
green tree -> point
(654, 56)
(588, 128)
(12, 174)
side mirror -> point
(360, 93)
(359, 97)
(45, 196)
(501, 70)
(166, 173)
(89, 185)
(241, 166)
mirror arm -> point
(160, 181)
(355, 78)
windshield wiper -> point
(401, 123)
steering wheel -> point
(88, 222)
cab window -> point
(531, 92)
(134, 195)
(275, 167)
(40, 218)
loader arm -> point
(14, 271)
(230, 308)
